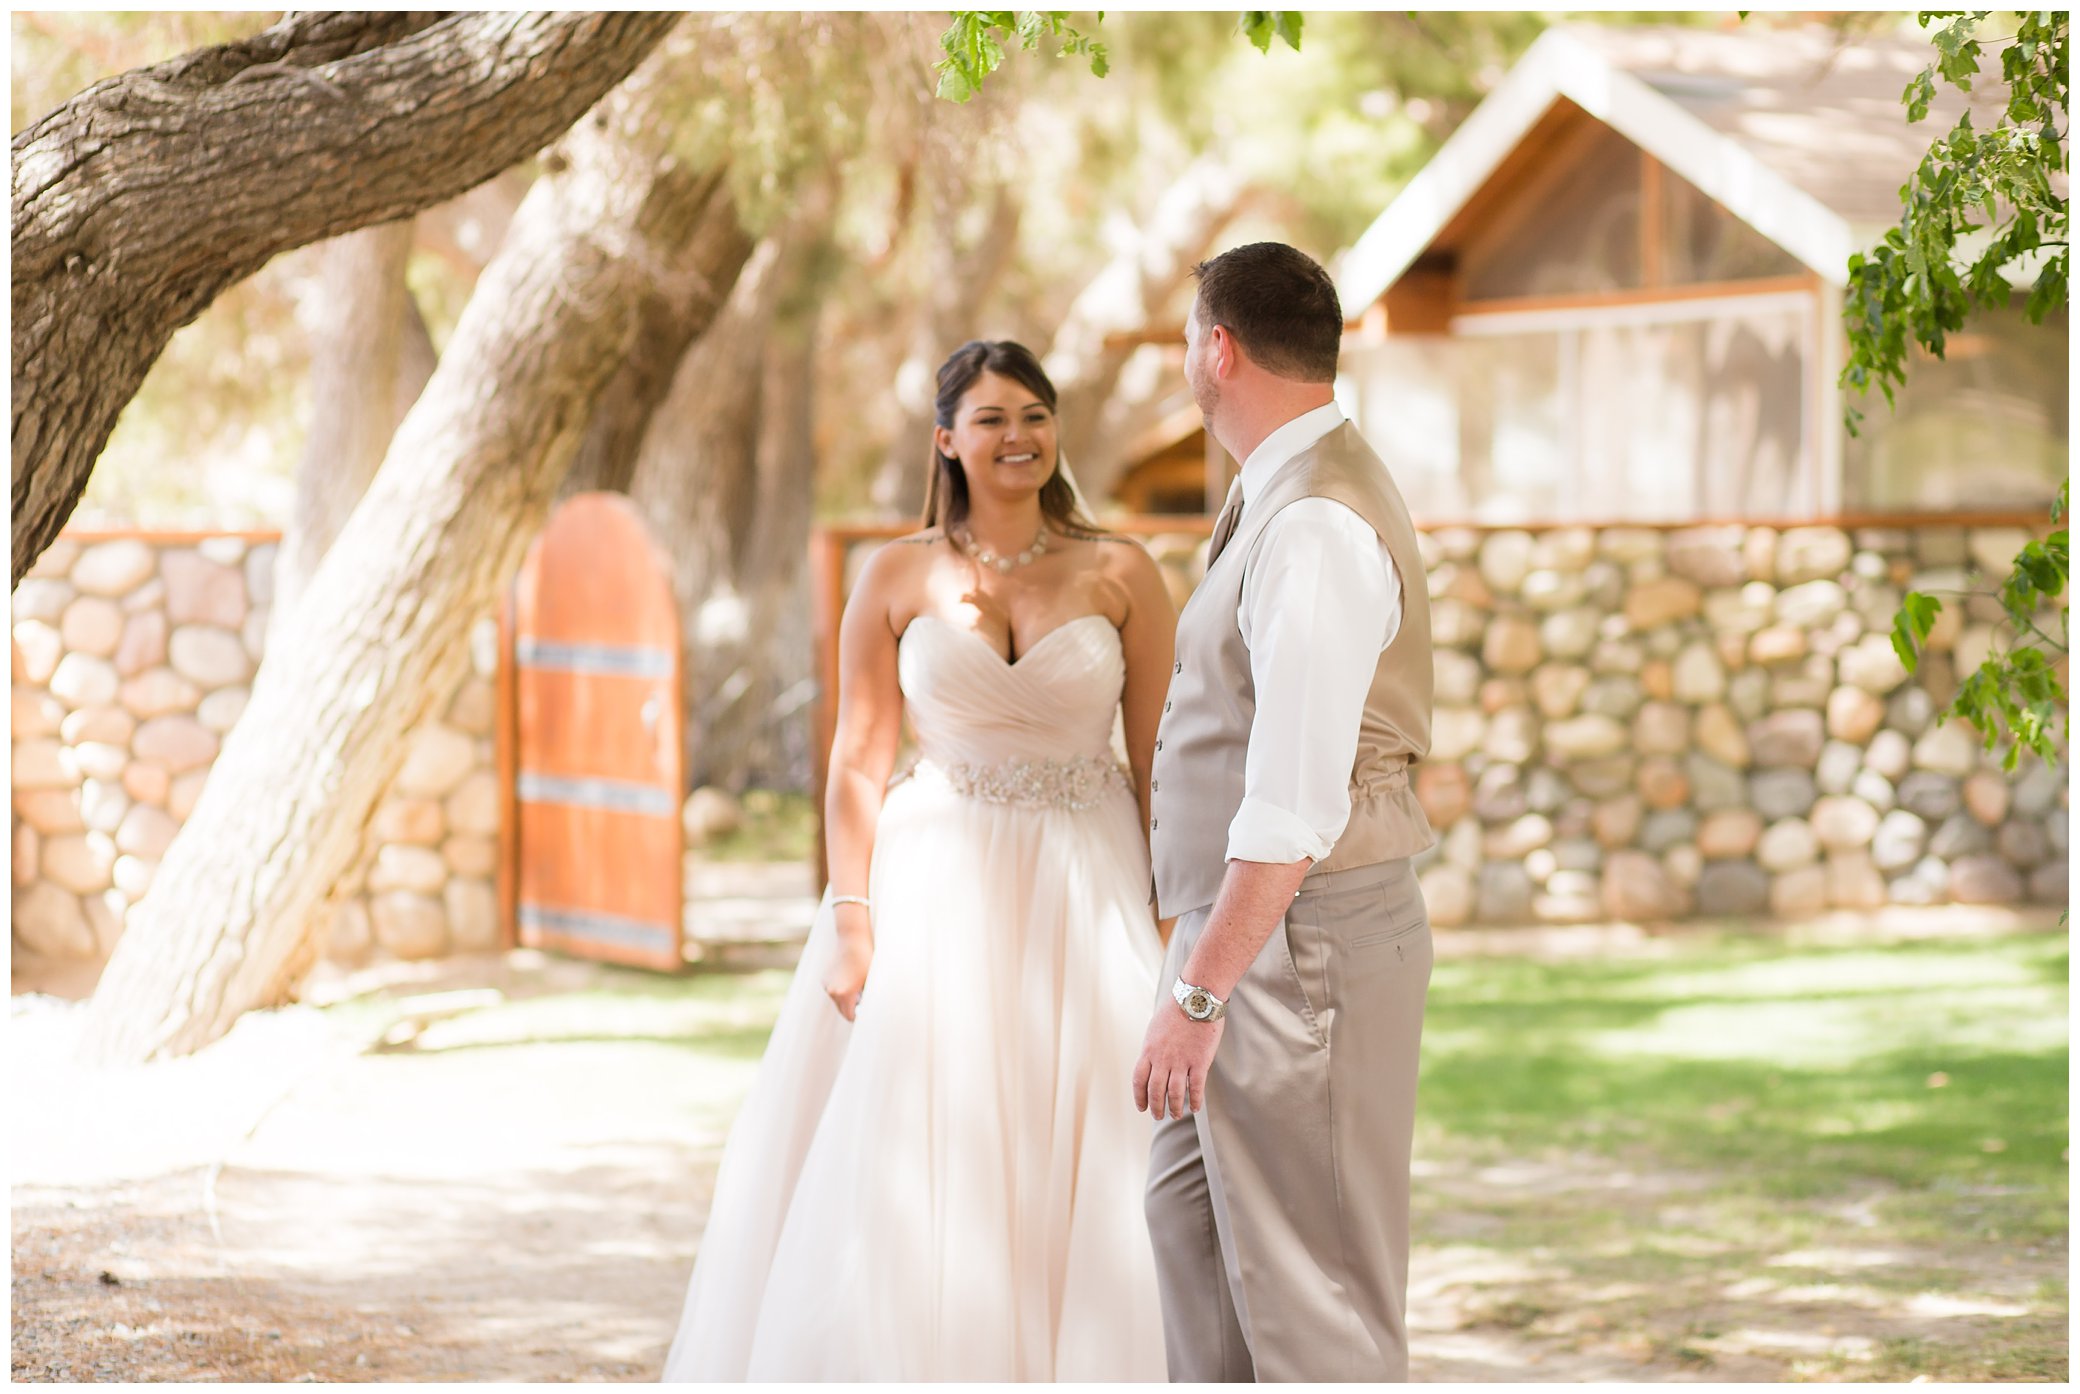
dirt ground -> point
(305, 1202)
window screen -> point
(1582, 235)
(1984, 427)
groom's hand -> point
(1175, 1058)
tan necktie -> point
(1224, 526)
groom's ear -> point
(1227, 354)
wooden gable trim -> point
(1533, 168)
(1652, 268)
(1645, 295)
(1559, 67)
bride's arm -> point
(863, 752)
(1149, 638)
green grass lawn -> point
(777, 827)
(1850, 1162)
(1719, 1157)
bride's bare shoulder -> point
(906, 551)
(896, 569)
(1125, 556)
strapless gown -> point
(950, 1187)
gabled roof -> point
(1796, 131)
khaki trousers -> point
(1279, 1212)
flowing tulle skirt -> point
(951, 1187)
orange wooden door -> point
(593, 861)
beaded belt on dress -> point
(1075, 784)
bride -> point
(939, 1171)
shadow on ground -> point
(1704, 1159)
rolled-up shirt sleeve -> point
(1320, 601)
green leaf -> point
(1911, 626)
(1919, 94)
(2044, 571)
(1914, 289)
(1262, 26)
(1921, 611)
(974, 49)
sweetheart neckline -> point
(990, 648)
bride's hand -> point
(846, 977)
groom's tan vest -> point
(1204, 736)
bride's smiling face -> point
(1003, 435)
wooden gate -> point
(589, 741)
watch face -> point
(1198, 1005)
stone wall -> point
(1649, 724)
(132, 657)
(1638, 723)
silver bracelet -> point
(852, 900)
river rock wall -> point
(1635, 723)
(132, 660)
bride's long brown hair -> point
(946, 496)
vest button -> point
(1177, 667)
(1151, 825)
(1154, 784)
(1159, 745)
(1166, 706)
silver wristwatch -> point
(1197, 1003)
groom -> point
(1281, 1062)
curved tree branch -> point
(384, 624)
(1129, 296)
(140, 200)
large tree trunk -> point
(371, 359)
(678, 309)
(229, 922)
(762, 736)
(951, 315)
(718, 485)
(1109, 320)
(137, 202)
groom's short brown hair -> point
(1279, 304)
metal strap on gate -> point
(612, 660)
(614, 795)
(595, 925)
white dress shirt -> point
(1320, 601)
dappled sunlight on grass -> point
(776, 827)
(1715, 1158)
(730, 1014)
(1840, 1031)
(1960, 1073)
(1760, 1162)
(1912, 968)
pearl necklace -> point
(985, 557)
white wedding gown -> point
(951, 1186)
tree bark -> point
(371, 359)
(676, 311)
(1098, 335)
(762, 737)
(950, 317)
(725, 469)
(229, 923)
(137, 202)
